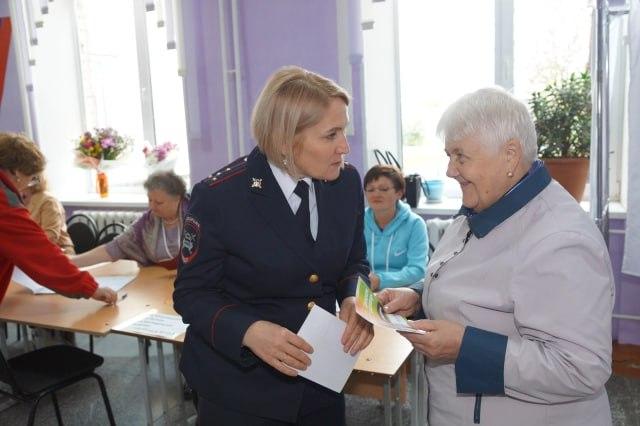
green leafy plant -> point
(562, 114)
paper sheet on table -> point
(115, 282)
(369, 308)
(330, 365)
(151, 323)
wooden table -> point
(151, 289)
(80, 315)
(381, 372)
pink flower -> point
(107, 143)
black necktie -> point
(302, 215)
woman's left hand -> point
(359, 333)
(441, 341)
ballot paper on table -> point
(114, 282)
(151, 323)
(330, 365)
(369, 308)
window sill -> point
(450, 206)
(112, 201)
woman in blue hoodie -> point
(397, 241)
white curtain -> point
(631, 260)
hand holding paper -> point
(330, 365)
(369, 308)
(278, 347)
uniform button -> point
(310, 305)
(314, 278)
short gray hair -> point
(166, 181)
(492, 115)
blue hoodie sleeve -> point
(415, 268)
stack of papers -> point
(114, 282)
(151, 323)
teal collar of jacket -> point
(517, 197)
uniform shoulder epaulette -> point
(227, 172)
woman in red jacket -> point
(22, 241)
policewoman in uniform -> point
(265, 239)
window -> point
(447, 49)
(105, 63)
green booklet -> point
(369, 308)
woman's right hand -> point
(401, 301)
(277, 346)
(106, 295)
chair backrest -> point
(435, 229)
(6, 376)
(110, 231)
(83, 232)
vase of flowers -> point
(99, 150)
(160, 157)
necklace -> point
(170, 222)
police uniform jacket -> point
(245, 258)
(530, 278)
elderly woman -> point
(24, 243)
(154, 239)
(397, 242)
(519, 292)
(47, 212)
(266, 238)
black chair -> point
(109, 232)
(83, 232)
(34, 375)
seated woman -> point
(47, 212)
(154, 239)
(397, 241)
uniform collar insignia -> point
(256, 183)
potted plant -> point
(562, 115)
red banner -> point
(5, 44)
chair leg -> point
(105, 398)
(32, 411)
(56, 407)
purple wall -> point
(271, 34)
(11, 117)
(627, 289)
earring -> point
(284, 162)
(510, 174)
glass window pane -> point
(551, 40)
(446, 50)
(166, 86)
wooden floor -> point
(626, 360)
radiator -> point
(103, 217)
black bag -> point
(413, 189)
